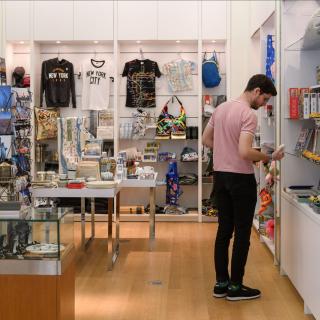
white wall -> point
(260, 11)
(239, 46)
(1, 29)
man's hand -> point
(278, 154)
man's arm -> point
(247, 152)
(207, 136)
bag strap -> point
(204, 56)
(214, 57)
(165, 108)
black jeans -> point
(236, 196)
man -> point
(230, 133)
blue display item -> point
(5, 110)
(173, 188)
(3, 151)
(210, 71)
(270, 59)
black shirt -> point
(57, 81)
(141, 83)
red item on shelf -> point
(75, 185)
(294, 103)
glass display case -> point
(38, 234)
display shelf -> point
(267, 131)
(159, 217)
(209, 219)
(302, 207)
(132, 183)
(118, 52)
(256, 223)
(303, 158)
(269, 243)
(315, 87)
(166, 162)
(300, 58)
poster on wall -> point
(3, 77)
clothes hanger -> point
(179, 58)
(141, 54)
(59, 54)
(96, 60)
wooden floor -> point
(172, 278)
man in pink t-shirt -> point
(230, 133)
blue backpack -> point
(210, 71)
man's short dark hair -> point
(262, 82)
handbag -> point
(5, 110)
(168, 125)
(47, 123)
(210, 71)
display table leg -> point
(110, 241)
(113, 247)
(93, 212)
(83, 224)
(117, 214)
(152, 223)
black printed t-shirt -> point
(141, 83)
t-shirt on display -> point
(96, 85)
(141, 83)
(179, 74)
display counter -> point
(37, 266)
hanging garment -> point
(57, 82)
(96, 81)
(179, 74)
(141, 83)
(270, 60)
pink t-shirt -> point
(229, 120)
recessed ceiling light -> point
(213, 41)
(21, 42)
(138, 41)
(178, 41)
(95, 41)
(58, 41)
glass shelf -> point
(301, 157)
(40, 215)
(40, 234)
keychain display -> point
(22, 144)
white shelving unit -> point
(117, 45)
(266, 125)
(300, 226)
(163, 52)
